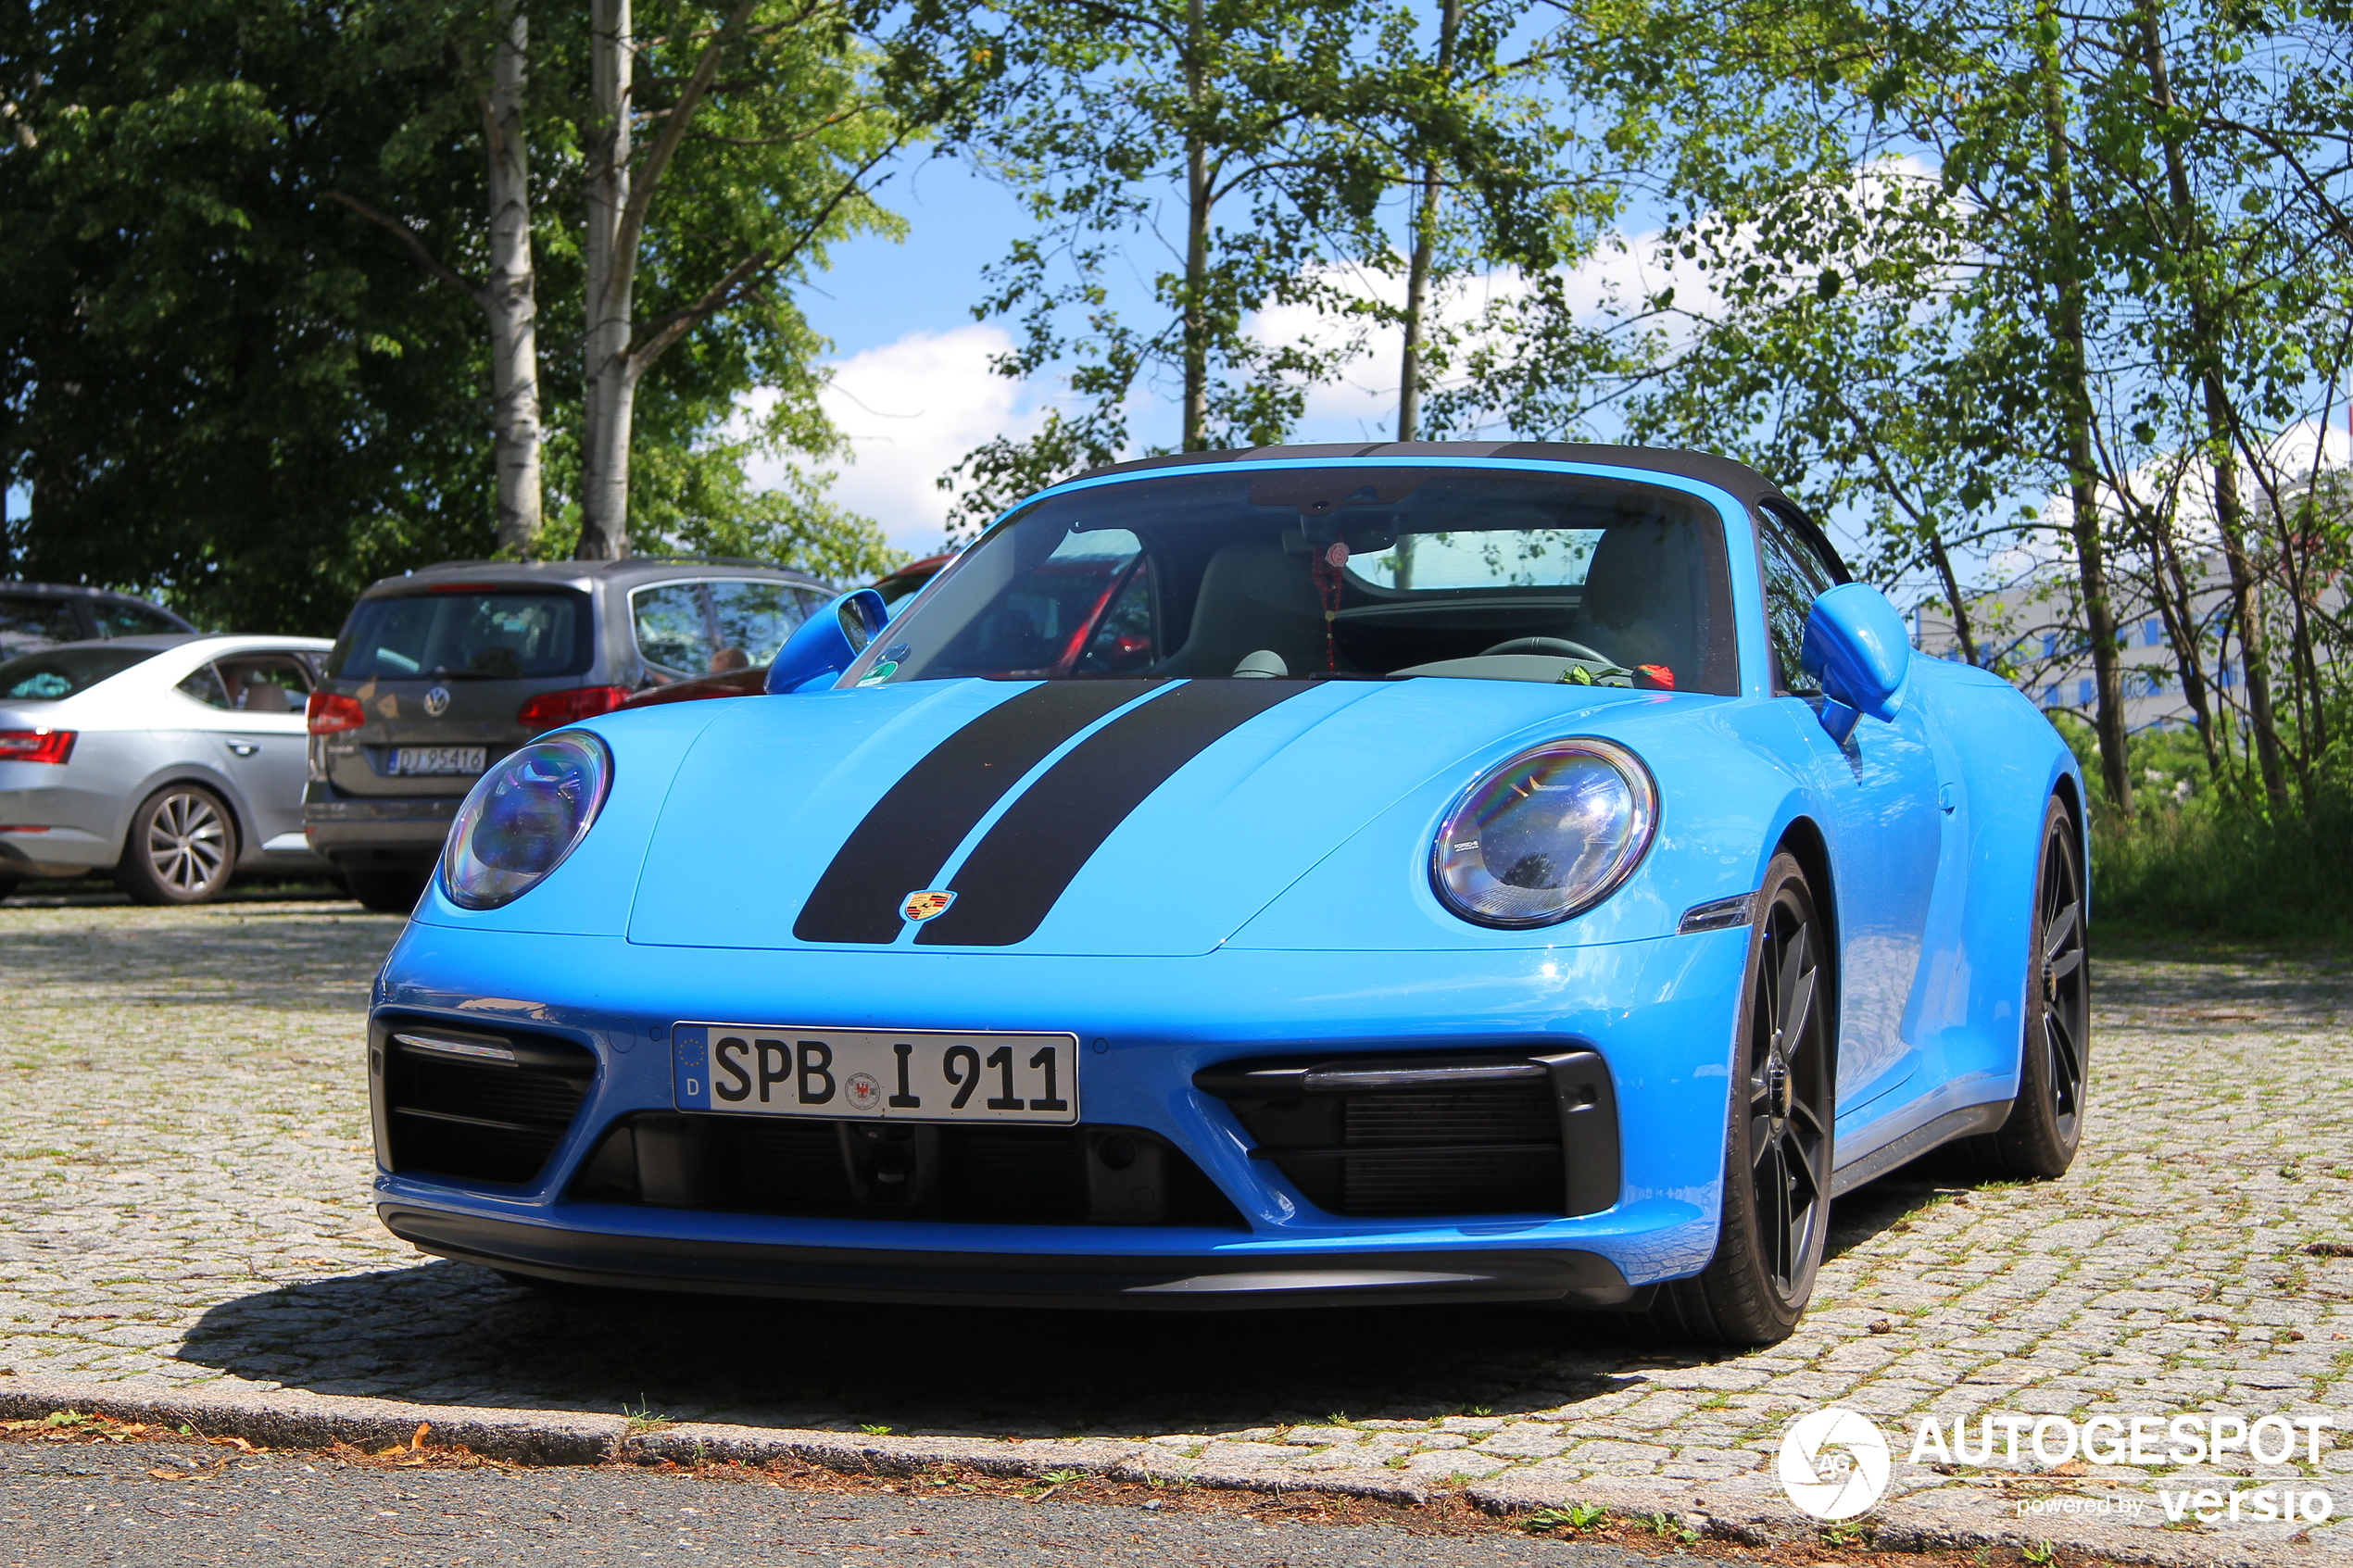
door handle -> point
(244, 747)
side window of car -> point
(132, 620)
(1794, 577)
(268, 682)
(29, 623)
(205, 688)
(673, 634)
(752, 620)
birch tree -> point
(1221, 137)
(507, 294)
(723, 149)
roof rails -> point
(665, 559)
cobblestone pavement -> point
(183, 1200)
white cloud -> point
(912, 408)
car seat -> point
(1254, 597)
(1644, 599)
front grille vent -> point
(474, 1107)
(902, 1171)
(1391, 1137)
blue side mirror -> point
(827, 642)
(1856, 646)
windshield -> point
(1333, 571)
(60, 672)
(465, 632)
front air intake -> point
(473, 1106)
(1393, 1137)
(878, 1170)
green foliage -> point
(2198, 860)
(222, 387)
(1252, 144)
(208, 393)
(700, 503)
(2218, 866)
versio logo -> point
(1833, 1463)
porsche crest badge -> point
(930, 902)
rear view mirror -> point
(1855, 644)
(827, 642)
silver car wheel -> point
(187, 843)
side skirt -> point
(1967, 1121)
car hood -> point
(1066, 817)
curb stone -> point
(1746, 1510)
(290, 1419)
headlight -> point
(523, 817)
(1547, 834)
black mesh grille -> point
(1386, 1152)
(983, 1174)
(1034, 1173)
(472, 1119)
(499, 1094)
(792, 1168)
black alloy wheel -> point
(2045, 1125)
(1777, 1143)
(182, 847)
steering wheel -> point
(1558, 646)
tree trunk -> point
(510, 294)
(609, 257)
(2230, 515)
(1953, 596)
(1418, 270)
(2075, 404)
(1198, 197)
(2177, 608)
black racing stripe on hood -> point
(902, 843)
(1012, 877)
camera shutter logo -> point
(1833, 1463)
(436, 702)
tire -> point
(387, 893)
(1777, 1139)
(2046, 1125)
(182, 847)
(8, 886)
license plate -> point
(440, 759)
(780, 1069)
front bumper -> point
(1659, 1012)
(577, 1254)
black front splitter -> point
(995, 1279)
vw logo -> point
(436, 702)
(1833, 1463)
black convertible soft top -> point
(1745, 484)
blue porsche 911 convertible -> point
(1397, 873)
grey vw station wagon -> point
(439, 673)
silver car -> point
(172, 762)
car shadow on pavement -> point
(443, 1332)
(449, 1332)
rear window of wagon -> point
(467, 633)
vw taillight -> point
(329, 714)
